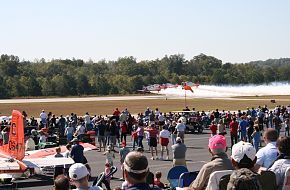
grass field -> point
(135, 106)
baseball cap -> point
(78, 171)
(241, 149)
(217, 141)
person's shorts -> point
(153, 141)
(164, 141)
(101, 139)
(113, 140)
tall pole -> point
(185, 98)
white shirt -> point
(267, 155)
(81, 130)
(161, 118)
(42, 138)
(164, 134)
(43, 115)
(180, 127)
(279, 168)
(87, 119)
(29, 145)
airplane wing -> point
(50, 152)
(6, 165)
(50, 161)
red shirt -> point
(116, 113)
(234, 127)
(159, 184)
(213, 129)
(123, 128)
(152, 132)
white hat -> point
(78, 171)
(178, 139)
(241, 149)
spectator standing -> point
(124, 130)
(153, 133)
(164, 140)
(180, 128)
(234, 131)
(101, 135)
(43, 117)
(256, 137)
(87, 119)
(77, 151)
(243, 128)
(213, 128)
(277, 123)
(134, 137)
(116, 114)
(287, 125)
(140, 134)
(179, 153)
(69, 132)
(173, 132)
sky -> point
(233, 31)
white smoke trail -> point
(212, 91)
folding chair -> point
(174, 174)
(214, 179)
(187, 178)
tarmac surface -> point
(197, 154)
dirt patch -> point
(135, 106)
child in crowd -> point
(157, 181)
(107, 171)
(134, 137)
(256, 137)
(213, 128)
(59, 168)
(110, 156)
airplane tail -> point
(15, 147)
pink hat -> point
(217, 141)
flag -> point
(187, 88)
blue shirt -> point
(267, 155)
(243, 126)
(77, 153)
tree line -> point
(71, 77)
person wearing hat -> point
(135, 171)
(243, 155)
(77, 151)
(79, 176)
(217, 147)
(179, 152)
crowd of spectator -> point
(159, 129)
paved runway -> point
(197, 155)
